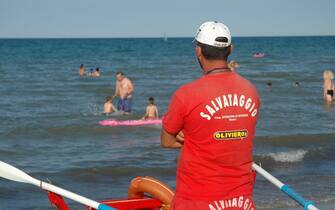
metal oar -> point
(10, 172)
(308, 205)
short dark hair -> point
(151, 98)
(119, 72)
(108, 98)
(214, 53)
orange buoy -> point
(155, 188)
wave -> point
(291, 156)
(294, 148)
(296, 156)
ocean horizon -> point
(169, 37)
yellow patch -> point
(230, 135)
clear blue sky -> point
(153, 18)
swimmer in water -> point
(81, 71)
(91, 72)
(233, 65)
(269, 83)
(151, 110)
(108, 106)
(328, 86)
(96, 73)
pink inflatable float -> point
(113, 123)
(258, 55)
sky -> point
(154, 18)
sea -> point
(49, 115)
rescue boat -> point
(143, 193)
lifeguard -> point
(213, 120)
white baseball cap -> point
(213, 33)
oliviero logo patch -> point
(230, 135)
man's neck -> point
(210, 65)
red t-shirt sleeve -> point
(173, 119)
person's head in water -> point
(213, 46)
(109, 99)
(151, 100)
(328, 75)
(81, 66)
(269, 83)
(119, 76)
(233, 65)
(296, 83)
(97, 69)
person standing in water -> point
(328, 86)
(81, 71)
(123, 89)
(151, 110)
(213, 121)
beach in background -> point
(49, 116)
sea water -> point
(49, 116)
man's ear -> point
(231, 48)
(198, 52)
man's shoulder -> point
(246, 86)
(126, 79)
(192, 84)
(246, 82)
(185, 88)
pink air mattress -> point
(258, 55)
(113, 123)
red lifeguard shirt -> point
(218, 115)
